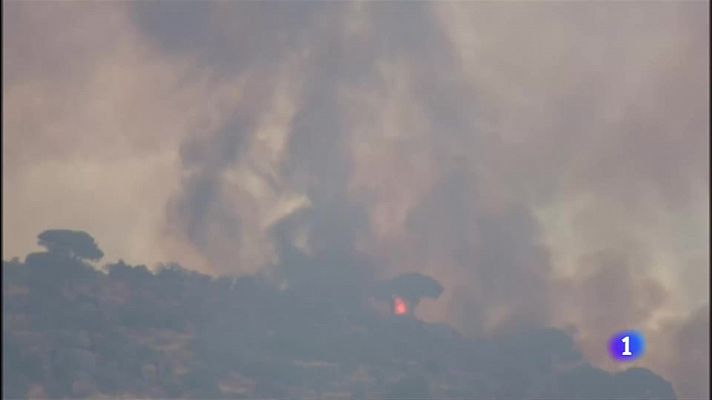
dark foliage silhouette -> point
(72, 330)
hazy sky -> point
(547, 162)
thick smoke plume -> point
(546, 163)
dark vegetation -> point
(71, 329)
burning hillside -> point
(71, 330)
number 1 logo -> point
(626, 346)
(626, 342)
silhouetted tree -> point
(77, 244)
(411, 287)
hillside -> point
(71, 329)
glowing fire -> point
(400, 307)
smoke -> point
(545, 162)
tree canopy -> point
(72, 243)
(412, 287)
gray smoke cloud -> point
(546, 162)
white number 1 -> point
(626, 351)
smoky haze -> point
(544, 163)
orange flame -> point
(400, 307)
